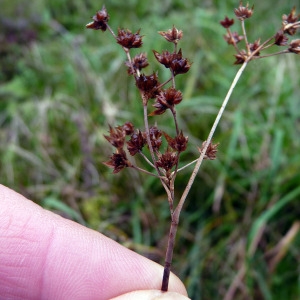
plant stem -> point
(144, 171)
(176, 213)
(169, 255)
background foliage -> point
(60, 87)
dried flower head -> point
(138, 63)
(116, 137)
(166, 99)
(174, 61)
(128, 128)
(226, 23)
(128, 39)
(118, 161)
(294, 46)
(211, 152)
(243, 12)
(167, 160)
(233, 38)
(136, 143)
(165, 58)
(289, 22)
(253, 47)
(241, 57)
(179, 65)
(148, 85)
(179, 143)
(99, 20)
(155, 137)
(172, 35)
(280, 38)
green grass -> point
(64, 88)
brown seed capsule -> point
(138, 63)
(281, 39)
(136, 143)
(179, 65)
(166, 99)
(167, 160)
(253, 47)
(243, 12)
(240, 57)
(118, 161)
(179, 143)
(211, 152)
(294, 46)
(128, 128)
(172, 35)
(99, 20)
(289, 22)
(232, 39)
(128, 39)
(226, 23)
(165, 58)
(116, 137)
(155, 137)
(148, 85)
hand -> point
(44, 256)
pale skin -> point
(44, 256)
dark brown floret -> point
(116, 137)
(128, 39)
(243, 12)
(136, 143)
(289, 22)
(139, 62)
(211, 152)
(128, 128)
(148, 85)
(99, 20)
(174, 61)
(166, 99)
(155, 137)
(294, 46)
(165, 58)
(240, 57)
(226, 23)
(253, 47)
(179, 65)
(281, 39)
(232, 39)
(172, 35)
(118, 161)
(167, 160)
(179, 143)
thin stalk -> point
(245, 37)
(164, 83)
(146, 159)
(144, 171)
(163, 182)
(176, 214)
(187, 165)
(148, 134)
(272, 54)
(111, 31)
(209, 138)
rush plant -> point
(160, 150)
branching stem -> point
(176, 214)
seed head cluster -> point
(289, 26)
(130, 141)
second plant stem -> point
(176, 214)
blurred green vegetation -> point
(60, 87)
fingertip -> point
(151, 295)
